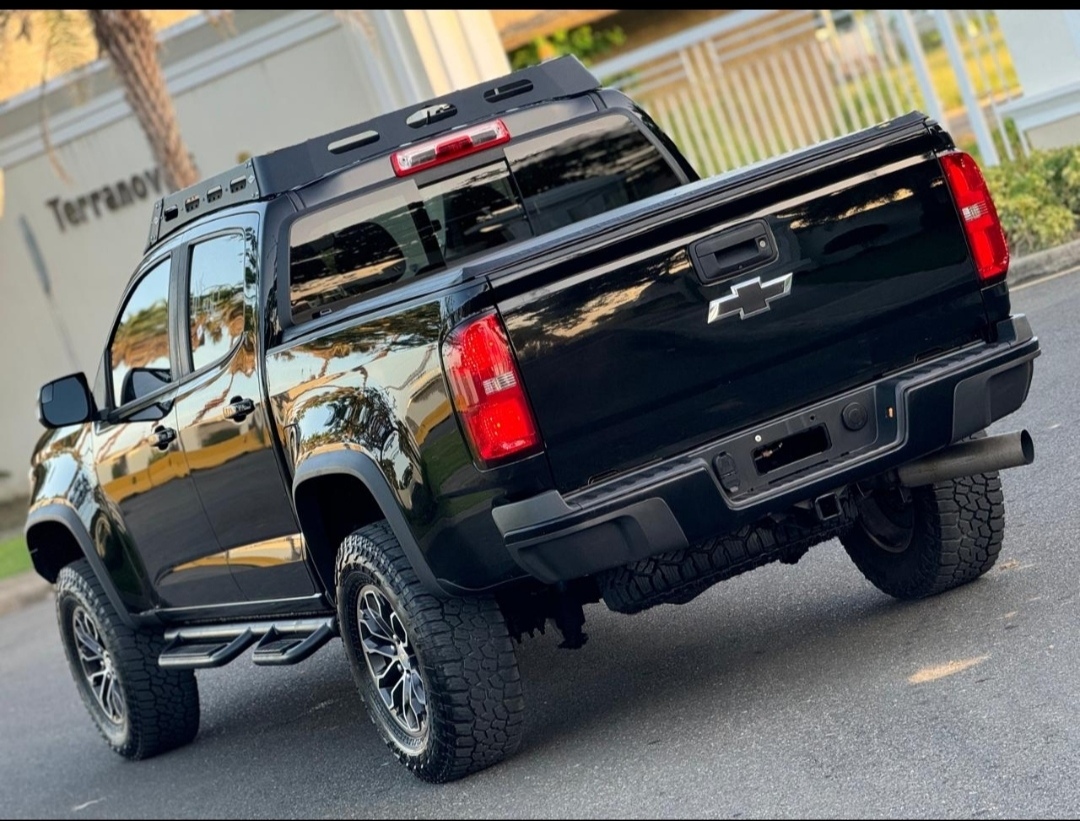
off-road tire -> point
(161, 707)
(679, 576)
(954, 536)
(474, 702)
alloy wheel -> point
(97, 666)
(392, 661)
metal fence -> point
(756, 83)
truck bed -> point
(634, 343)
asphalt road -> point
(789, 691)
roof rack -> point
(288, 168)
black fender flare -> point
(66, 516)
(363, 467)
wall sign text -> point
(78, 210)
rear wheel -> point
(929, 539)
(141, 709)
(438, 676)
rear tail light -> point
(449, 147)
(985, 238)
(487, 391)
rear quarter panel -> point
(371, 384)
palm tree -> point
(127, 39)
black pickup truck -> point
(435, 381)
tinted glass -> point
(215, 298)
(353, 247)
(598, 166)
(404, 230)
(401, 232)
(141, 339)
(475, 212)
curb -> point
(19, 591)
(1043, 263)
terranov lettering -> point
(79, 209)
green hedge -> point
(14, 557)
(583, 42)
(1038, 199)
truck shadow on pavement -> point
(713, 662)
(753, 665)
(716, 666)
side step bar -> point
(281, 648)
(215, 645)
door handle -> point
(238, 409)
(162, 437)
(734, 251)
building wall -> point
(1044, 45)
(1045, 48)
(281, 78)
(1057, 134)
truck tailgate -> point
(697, 313)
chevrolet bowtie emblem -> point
(749, 298)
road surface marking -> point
(1041, 280)
(936, 671)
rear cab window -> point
(408, 229)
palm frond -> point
(43, 116)
(222, 20)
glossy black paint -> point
(372, 387)
(608, 321)
(230, 452)
(197, 524)
(155, 496)
(52, 524)
(683, 500)
(139, 471)
(623, 366)
(62, 477)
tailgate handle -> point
(734, 251)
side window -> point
(215, 298)
(139, 347)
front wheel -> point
(439, 677)
(930, 540)
(141, 709)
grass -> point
(982, 56)
(870, 89)
(943, 77)
(14, 557)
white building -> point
(67, 248)
(1045, 48)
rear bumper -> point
(716, 489)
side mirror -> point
(66, 401)
(140, 382)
